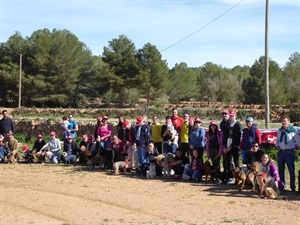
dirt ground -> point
(64, 195)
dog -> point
(164, 160)
(121, 165)
(266, 182)
(207, 169)
(84, 155)
(151, 173)
(184, 175)
(243, 175)
(94, 161)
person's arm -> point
(45, 146)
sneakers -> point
(231, 181)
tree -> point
(153, 72)
(120, 55)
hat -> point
(249, 119)
(9, 133)
(225, 111)
(25, 148)
(213, 123)
(139, 120)
(52, 133)
(90, 137)
(125, 124)
(84, 136)
(232, 112)
(192, 119)
(197, 120)
(105, 118)
(70, 137)
(40, 136)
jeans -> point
(141, 150)
(230, 161)
(169, 148)
(53, 156)
(287, 157)
(105, 144)
(193, 174)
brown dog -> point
(265, 182)
(207, 169)
(243, 175)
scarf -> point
(284, 133)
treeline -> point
(58, 70)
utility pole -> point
(20, 81)
(267, 103)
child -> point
(195, 170)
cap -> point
(52, 133)
(9, 133)
(249, 119)
(225, 111)
(84, 136)
(139, 120)
(232, 112)
(25, 148)
(212, 123)
(192, 119)
(125, 124)
(40, 136)
(197, 120)
(70, 137)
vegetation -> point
(58, 70)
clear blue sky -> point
(236, 38)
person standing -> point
(197, 138)
(250, 134)
(184, 135)
(73, 126)
(141, 139)
(170, 136)
(231, 143)
(176, 120)
(6, 124)
(214, 145)
(287, 136)
(156, 134)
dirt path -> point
(62, 195)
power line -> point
(203, 26)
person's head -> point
(232, 115)
(90, 138)
(254, 146)
(186, 117)
(213, 127)
(145, 118)
(178, 153)
(70, 117)
(174, 112)
(52, 134)
(84, 138)
(285, 122)
(40, 137)
(4, 113)
(139, 121)
(249, 122)
(64, 118)
(155, 119)
(197, 122)
(225, 115)
(126, 124)
(70, 139)
(195, 153)
(121, 119)
(168, 121)
(105, 119)
(265, 159)
(191, 121)
(150, 147)
(10, 134)
(115, 139)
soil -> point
(62, 195)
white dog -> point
(120, 165)
(151, 173)
(184, 175)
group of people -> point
(140, 142)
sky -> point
(224, 32)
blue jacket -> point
(197, 137)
